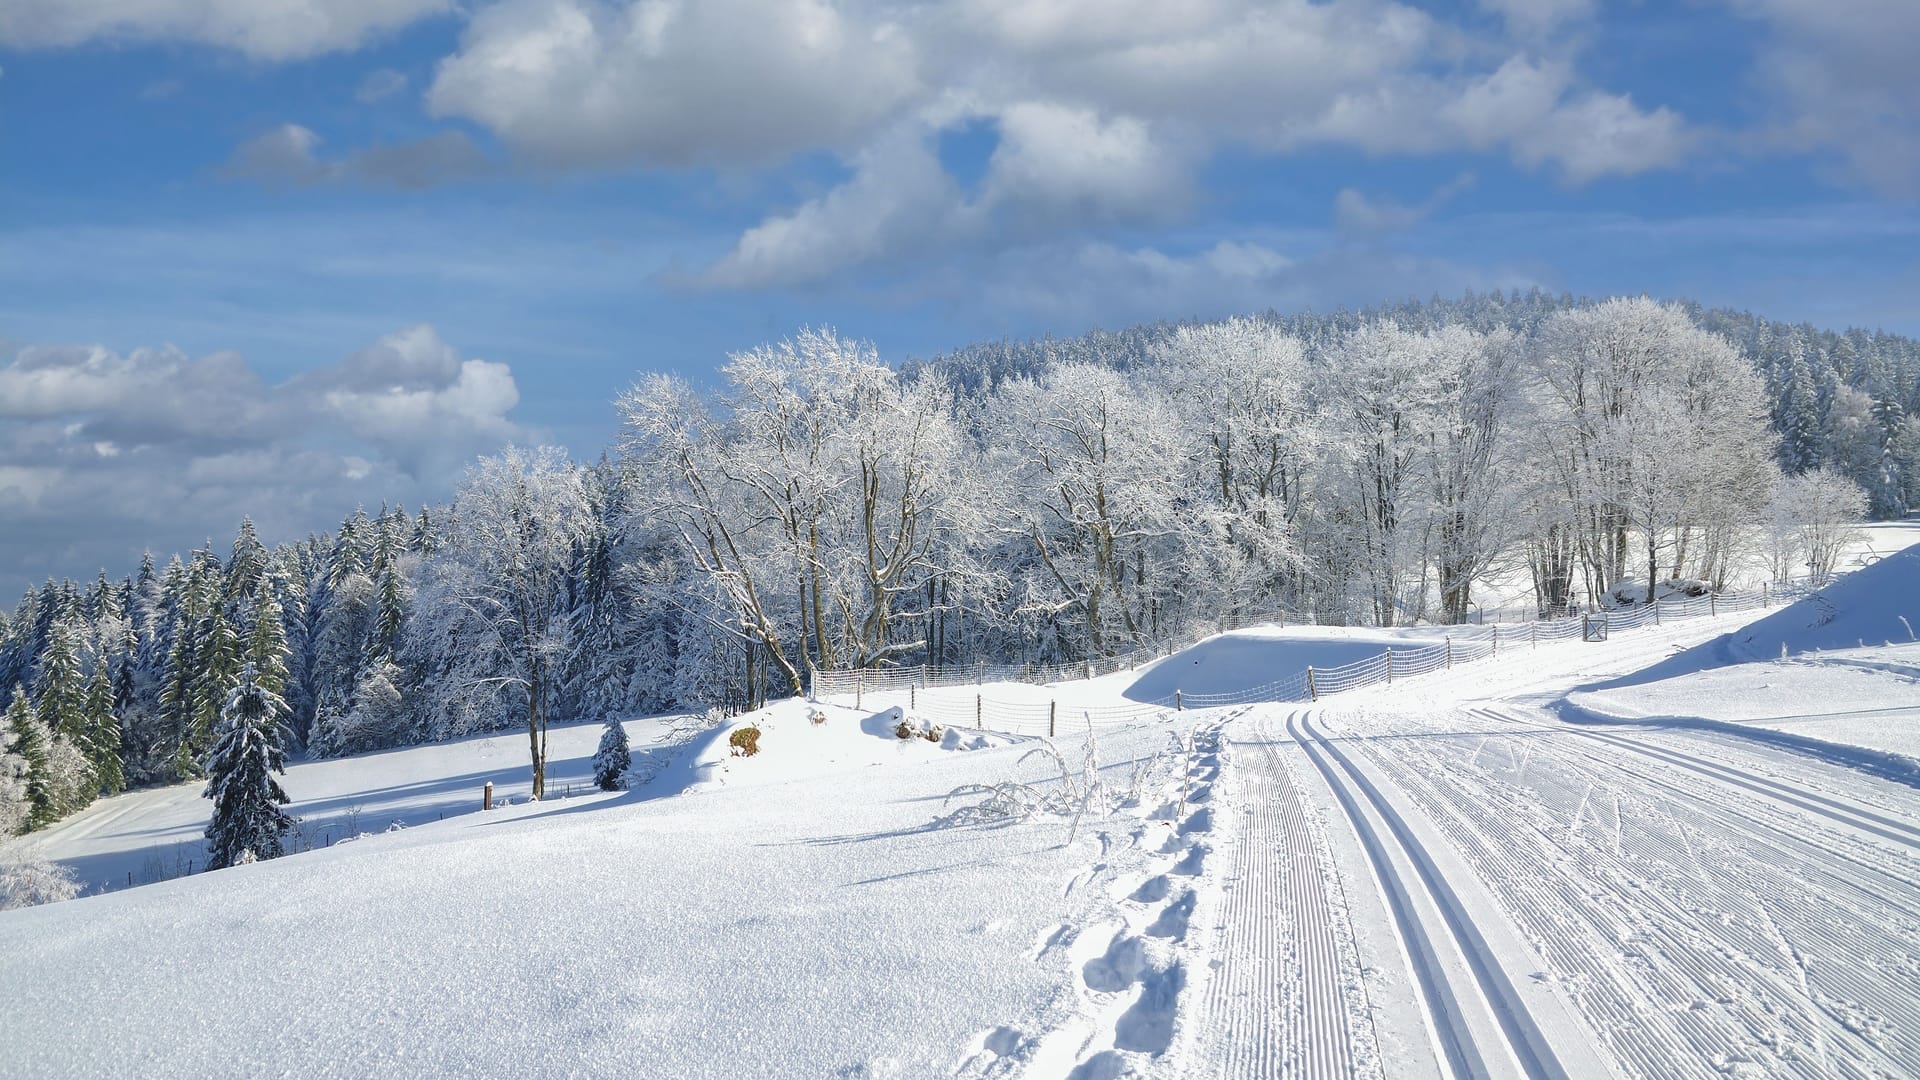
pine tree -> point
(611, 761)
(102, 741)
(32, 744)
(248, 821)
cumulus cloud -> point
(261, 29)
(101, 450)
(676, 82)
(898, 197)
(1104, 116)
(289, 155)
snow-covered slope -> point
(1401, 881)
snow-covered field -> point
(1563, 861)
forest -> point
(1037, 501)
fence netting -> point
(928, 692)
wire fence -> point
(926, 692)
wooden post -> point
(1536, 636)
(1389, 665)
(1656, 611)
(1713, 605)
(486, 796)
(1089, 669)
(1177, 706)
(859, 684)
(1496, 641)
(1052, 709)
(913, 694)
(1449, 651)
(979, 710)
(1312, 695)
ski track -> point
(1722, 923)
(1287, 998)
(1435, 925)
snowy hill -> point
(1368, 883)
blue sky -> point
(401, 232)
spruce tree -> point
(248, 822)
(217, 656)
(102, 742)
(62, 691)
(32, 744)
(267, 648)
(611, 761)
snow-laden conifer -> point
(611, 761)
(247, 800)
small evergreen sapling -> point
(610, 764)
(247, 818)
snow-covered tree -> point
(1817, 514)
(612, 759)
(247, 817)
(502, 574)
(32, 747)
(28, 879)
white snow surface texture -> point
(1448, 875)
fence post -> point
(1177, 706)
(1312, 695)
(913, 695)
(1713, 605)
(1496, 641)
(1656, 611)
(1389, 665)
(1089, 669)
(1053, 708)
(1449, 651)
(1535, 629)
(1763, 594)
(978, 711)
(859, 683)
(486, 796)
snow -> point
(1229, 663)
(1442, 874)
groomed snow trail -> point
(1483, 1023)
(1707, 907)
(1287, 998)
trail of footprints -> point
(1129, 971)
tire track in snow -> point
(1283, 1002)
(1525, 1045)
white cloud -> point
(1054, 159)
(676, 82)
(898, 197)
(101, 452)
(261, 29)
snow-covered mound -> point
(1239, 661)
(1878, 604)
